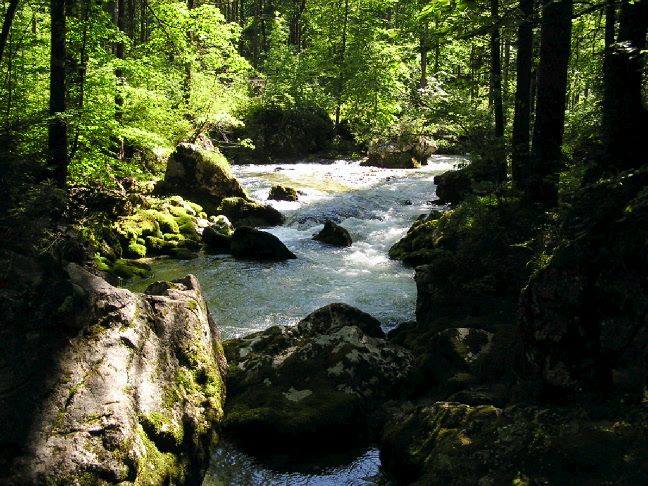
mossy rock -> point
(183, 254)
(243, 212)
(128, 269)
(201, 176)
(279, 192)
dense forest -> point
(129, 129)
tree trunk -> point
(499, 158)
(423, 44)
(546, 157)
(522, 116)
(57, 132)
(624, 116)
(341, 61)
(6, 25)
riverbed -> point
(377, 207)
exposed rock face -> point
(243, 212)
(453, 186)
(132, 397)
(313, 383)
(283, 193)
(201, 176)
(452, 443)
(404, 152)
(253, 244)
(334, 234)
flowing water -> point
(376, 206)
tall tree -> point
(555, 45)
(624, 116)
(6, 25)
(522, 115)
(57, 133)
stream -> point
(377, 207)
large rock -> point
(243, 212)
(283, 193)
(253, 244)
(453, 186)
(201, 176)
(129, 390)
(452, 443)
(404, 152)
(334, 234)
(313, 384)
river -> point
(376, 206)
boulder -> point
(333, 234)
(314, 383)
(243, 212)
(416, 246)
(403, 152)
(283, 193)
(201, 176)
(254, 244)
(453, 186)
(218, 234)
(129, 391)
(452, 443)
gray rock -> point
(403, 152)
(313, 383)
(134, 396)
(243, 212)
(283, 193)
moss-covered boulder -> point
(452, 443)
(279, 192)
(252, 244)
(133, 394)
(403, 152)
(312, 384)
(201, 176)
(243, 212)
(415, 247)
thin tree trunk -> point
(341, 60)
(6, 25)
(57, 132)
(548, 131)
(499, 159)
(522, 116)
(424, 46)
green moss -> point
(102, 263)
(163, 427)
(173, 237)
(136, 250)
(197, 208)
(126, 270)
(167, 223)
(156, 467)
(159, 246)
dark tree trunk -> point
(522, 116)
(499, 159)
(6, 25)
(57, 133)
(624, 116)
(546, 157)
(341, 58)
